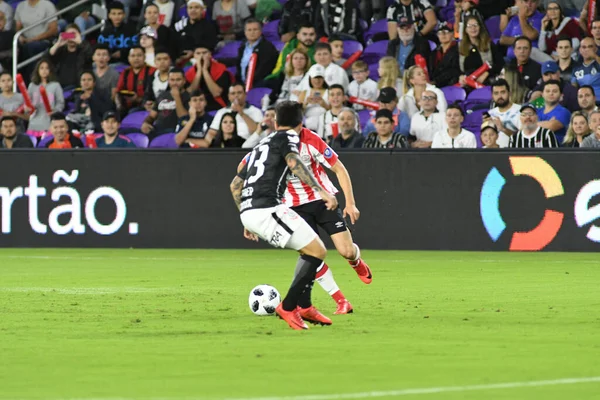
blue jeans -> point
(83, 23)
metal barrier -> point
(16, 65)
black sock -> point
(305, 298)
(306, 269)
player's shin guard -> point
(306, 269)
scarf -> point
(333, 13)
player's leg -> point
(351, 252)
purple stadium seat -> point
(120, 67)
(166, 141)
(44, 141)
(432, 45)
(141, 140)
(233, 70)
(33, 139)
(493, 26)
(254, 96)
(270, 30)
(363, 24)
(483, 95)
(454, 94)
(351, 47)
(364, 116)
(373, 71)
(229, 51)
(473, 120)
(212, 113)
(134, 120)
(374, 52)
(279, 45)
(376, 27)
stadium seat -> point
(232, 70)
(473, 119)
(454, 94)
(141, 140)
(120, 67)
(212, 113)
(493, 27)
(44, 141)
(351, 47)
(432, 45)
(254, 96)
(482, 95)
(134, 120)
(270, 30)
(279, 45)
(229, 51)
(374, 52)
(166, 141)
(364, 116)
(378, 28)
(34, 140)
(373, 71)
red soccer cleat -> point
(291, 317)
(364, 272)
(344, 307)
(312, 315)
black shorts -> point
(316, 214)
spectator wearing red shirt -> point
(133, 82)
(210, 76)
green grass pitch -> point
(175, 325)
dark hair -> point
(232, 115)
(102, 46)
(161, 50)
(590, 88)
(549, 27)
(7, 118)
(87, 72)
(564, 37)
(116, 5)
(136, 47)
(552, 82)
(197, 93)
(525, 38)
(322, 46)
(5, 73)
(596, 20)
(151, 5)
(58, 116)
(337, 86)
(253, 20)
(204, 45)
(73, 26)
(500, 83)
(456, 107)
(289, 113)
(238, 83)
(325, 85)
(177, 70)
(270, 108)
(35, 76)
(335, 38)
(307, 25)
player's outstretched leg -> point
(350, 251)
(325, 279)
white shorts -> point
(279, 226)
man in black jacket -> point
(408, 44)
(444, 61)
(10, 139)
(194, 30)
(117, 34)
(255, 43)
(295, 14)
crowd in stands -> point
(370, 74)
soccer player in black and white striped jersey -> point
(531, 135)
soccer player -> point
(258, 190)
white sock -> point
(325, 279)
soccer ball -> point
(263, 300)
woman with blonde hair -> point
(413, 86)
(389, 74)
(295, 69)
(578, 130)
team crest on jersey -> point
(328, 153)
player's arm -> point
(344, 178)
(299, 169)
(236, 190)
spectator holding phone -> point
(71, 56)
(314, 99)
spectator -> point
(133, 82)
(247, 116)
(37, 39)
(454, 136)
(551, 72)
(426, 122)
(564, 54)
(593, 141)
(111, 138)
(107, 76)
(475, 49)
(6, 39)
(531, 134)
(7, 10)
(584, 20)
(513, 77)
(338, 17)
(337, 49)
(71, 57)
(10, 138)
(349, 136)
(90, 102)
(43, 75)
(305, 39)
(229, 16)
(170, 106)
(159, 81)
(294, 72)
(210, 76)
(529, 70)
(60, 132)
(166, 12)
(415, 84)
(526, 22)
(553, 116)
(152, 16)
(193, 126)
(227, 135)
(420, 12)
(489, 136)
(148, 38)
(336, 98)
(407, 44)
(463, 10)
(384, 137)
(588, 72)
(594, 120)
(388, 100)
(11, 103)
(596, 35)
(334, 74)
(297, 14)
(315, 98)
(554, 24)
(195, 31)
(578, 130)
(505, 116)
(117, 35)
(586, 99)
(444, 60)
(388, 71)
(362, 86)
(266, 127)
(255, 43)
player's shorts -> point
(279, 226)
(316, 214)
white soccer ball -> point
(263, 300)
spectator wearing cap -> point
(349, 136)
(210, 76)
(453, 136)
(384, 137)
(255, 43)
(296, 14)
(119, 36)
(60, 132)
(336, 98)
(148, 38)
(70, 57)
(193, 127)
(133, 82)
(420, 12)
(407, 44)
(531, 134)
(247, 116)
(505, 116)
(10, 138)
(339, 17)
(426, 122)
(333, 73)
(170, 106)
(527, 22)
(588, 72)
(229, 16)
(554, 24)
(194, 31)
(362, 86)
(586, 99)
(529, 70)
(489, 135)
(388, 100)
(414, 85)
(314, 100)
(551, 72)
(444, 65)
(111, 138)
(305, 39)
(553, 116)
(159, 80)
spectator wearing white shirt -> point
(247, 116)
(506, 114)
(336, 97)
(424, 124)
(362, 86)
(454, 136)
(334, 74)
